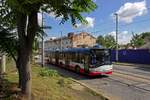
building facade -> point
(72, 40)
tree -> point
(137, 40)
(100, 40)
(21, 16)
(107, 41)
(110, 42)
(146, 36)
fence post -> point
(2, 65)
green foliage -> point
(21, 16)
(146, 36)
(64, 82)
(107, 41)
(69, 9)
(65, 9)
(100, 40)
(8, 42)
(139, 40)
(110, 41)
(46, 72)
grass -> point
(49, 87)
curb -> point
(97, 93)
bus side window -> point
(78, 57)
(86, 57)
(82, 60)
(73, 57)
(93, 59)
(70, 57)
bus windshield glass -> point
(100, 57)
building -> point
(82, 39)
(58, 43)
(72, 40)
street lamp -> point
(43, 27)
(116, 36)
(61, 41)
(42, 42)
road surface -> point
(126, 82)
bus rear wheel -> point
(77, 69)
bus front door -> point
(56, 57)
(86, 64)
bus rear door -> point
(86, 63)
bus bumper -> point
(99, 73)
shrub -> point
(45, 72)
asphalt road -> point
(135, 69)
(126, 82)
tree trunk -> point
(25, 72)
(21, 24)
(19, 72)
(26, 39)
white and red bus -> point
(90, 61)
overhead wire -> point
(111, 27)
(121, 25)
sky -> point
(134, 17)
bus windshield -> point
(100, 57)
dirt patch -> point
(77, 86)
(8, 90)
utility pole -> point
(116, 36)
(42, 41)
(61, 41)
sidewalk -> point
(130, 64)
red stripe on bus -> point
(72, 67)
(81, 70)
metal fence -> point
(139, 56)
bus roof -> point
(73, 50)
(82, 50)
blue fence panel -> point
(140, 56)
(113, 53)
